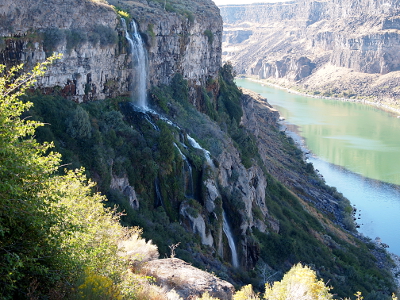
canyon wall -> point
(96, 59)
(306, 44)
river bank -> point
(292, 131)
(378, 105)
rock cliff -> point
(305, 44)
(239, 187)
(97, 62)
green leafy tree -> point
(54, 228)
(79, 125)
(25, 216)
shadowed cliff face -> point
(307, 42)
(96, 62)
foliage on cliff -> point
(55, 232)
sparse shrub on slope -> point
(246, 293)
(300, 283)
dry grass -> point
(137, 249)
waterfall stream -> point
(228, 232)
(187, 174)
(139, 61)
(196, 145)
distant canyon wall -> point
(295, 40)
(96, 59)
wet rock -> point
(197, 224)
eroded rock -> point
(187, 280)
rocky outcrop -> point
(238, 191)
(96, 59)
(188, 281)
(290, 42)
(122, 184)
(92, 66)
(197, 225)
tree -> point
(54, 228)
(25, 216)
(79, 124)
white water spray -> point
(139, 60)
(196, 145)
(228, 232)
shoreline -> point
(301, 144)
(382, 107)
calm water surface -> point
(356, 148)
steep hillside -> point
(333, 48)
(203, 168)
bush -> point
(52, 38)
(208, 33)
(246, 293)
(180, 89)
(300, 283)
(75, 38)
(104, 35)
(79, 125)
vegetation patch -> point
(210, 36)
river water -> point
(356, 148)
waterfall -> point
(139, 61)
(228, 232)
(148, 119)
(159, 198)
(186, 170)
(196, 145)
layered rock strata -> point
(306, 43)
(96, 59)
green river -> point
(355, 147)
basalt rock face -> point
(185, 40)
(293, 41)
(90, 68)
(96, 59)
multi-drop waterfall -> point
(228, 232)
(139, 61)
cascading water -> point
(159, 198)
(228, 232)
(187, 173)
(139, 60)
(196, 145)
